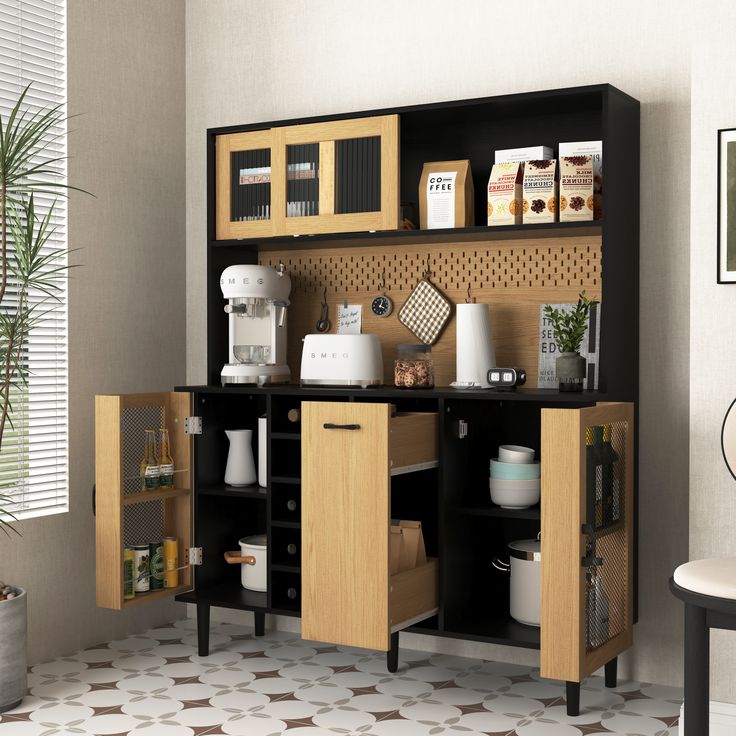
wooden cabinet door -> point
(341, 176)
(345, 523)
(244, 185)
(587, 617)
(126, 515)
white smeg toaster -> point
(341, 360)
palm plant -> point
(31, 276)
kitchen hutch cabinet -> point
(326, 512)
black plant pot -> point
(570, 371)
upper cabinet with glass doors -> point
(340, 176)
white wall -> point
(712, 320)
(126, 302)
(271, 59)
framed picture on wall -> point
(727, 206)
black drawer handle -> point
(330, 425)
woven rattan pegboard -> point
(513, 276)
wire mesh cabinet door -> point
(127, 514)
(339, 176)
(587, 538)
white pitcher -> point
(241, 468)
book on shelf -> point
(589, 349)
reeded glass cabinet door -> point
(244, 185)
(341, 176)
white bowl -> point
(515, 454)
(515, 494)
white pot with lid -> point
(253, 560)
(525, 568)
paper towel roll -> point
(262, 452)
(475, 352)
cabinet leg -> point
(612, 672)
(260, 622)
(203, 629)
(697, 690)
(392, 655)
(572, 696)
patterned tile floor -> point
(156, 685)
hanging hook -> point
(323, 323)
(469, 299)
(382, 282)
(427, 270)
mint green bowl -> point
(514, 471)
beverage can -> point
(171, 562)
(156, 564)
(128, 576)
(141, 569)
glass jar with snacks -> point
(413, 367)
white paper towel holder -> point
(475, 352)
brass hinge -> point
(193, 425)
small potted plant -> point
(569, 329)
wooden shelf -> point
(254, 491)
(156, 595)
(148, 496)
(287, 568)
(230, 594)
(418, 237)
(533, 512)
(296, 436)
(280, 611)
(286, 479)
(497, 631)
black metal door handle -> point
(330, 425)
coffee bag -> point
(446, 196)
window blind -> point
(34, 457)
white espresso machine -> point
(257, 300)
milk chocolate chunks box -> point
(594, 149)
(576, 188)
(540, 191)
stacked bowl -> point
(515, 478)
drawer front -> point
(345, 523)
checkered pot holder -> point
(426, 312)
